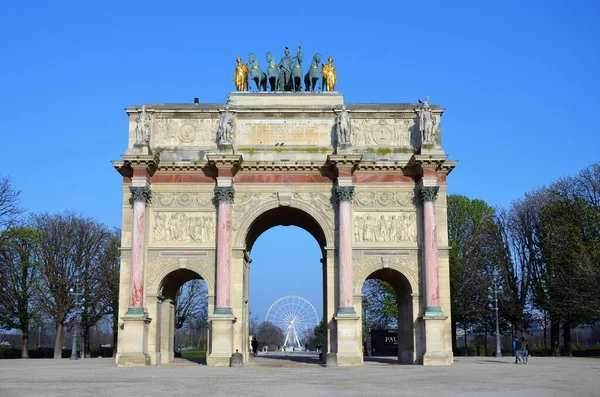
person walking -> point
(254, 347)
(516, 345)
(525, 346)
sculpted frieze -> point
(245, 202)
(320, 201)
(384, 132)
(364, 266)
(182, 200)
(159, 267)
(184, 132)
(383, 199)
(375, 228)
(184, 227)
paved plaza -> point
(300, 375)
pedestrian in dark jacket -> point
(516, 345)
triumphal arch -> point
(201, 182)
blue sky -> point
(519, 81)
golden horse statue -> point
(329, 76)
(240, 75)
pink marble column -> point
(224, 197)
(344, 195)
(140, 196)
(428, 196)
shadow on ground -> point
(190, 360)
(290, 357)
(383, 360)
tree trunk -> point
(485, 341)
(115, 330)
(554, 336)
(25, 343)
(454, 341)
(86, 342)
(567, 340)
(466, 351)
(58, 341)
(545, 335)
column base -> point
(435, 339)
(349, 347)
(133, 360)
(135, 339)
(434, 312)
(346, 312)
(221, 338)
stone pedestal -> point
(221, 343)
(435, 341)
(349, 349)
(135, 341)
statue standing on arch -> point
(142, 127)
(240, 75)
(285, 72)
(329, 76)
(427, 124)
(226, 128)
(343, 127)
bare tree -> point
(191, 303)
(97, 260)
(18, 277)
(270, 335)
(56, 268)
(111, 266)
(9, 204)
(68, 244)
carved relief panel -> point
(182, 200)
(184, 132)
(385, 132)
(385, 228)
(384, 199)
(182, 227)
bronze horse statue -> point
(257, 75)
(272, 72)
(314, 74)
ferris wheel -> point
(294, 315)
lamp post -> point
(78, 302)
(497, 289)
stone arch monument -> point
(201, 182)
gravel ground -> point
(300, 375)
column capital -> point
(140, 193)
(428, 193)
(344, 193)
(227, 165)
(345, 164)
(224, 194)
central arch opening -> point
(287, 285)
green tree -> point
(568, 287)
(379, 304)
(318, 335)
(18, 278)
(469, 225)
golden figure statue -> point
(329, 76)
(240, 75)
